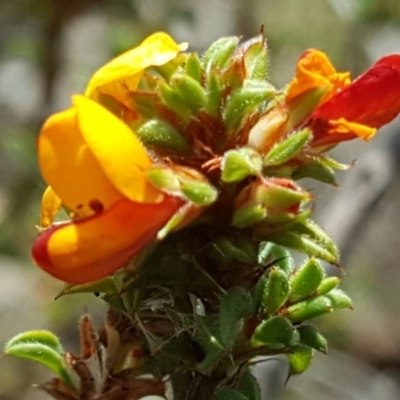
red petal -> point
(373, 99)
(94, 247)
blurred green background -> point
(48, 50)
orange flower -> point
(96, 166)
(336, 109)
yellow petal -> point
(315, 70)
(122, 74)
(69, 167)
(51, 203)
(343, 127)
(118, 151)
(92, 248)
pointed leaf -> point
(309, 309)
(310, 336)
(249, 386)
(274, 333)
(300, 358)
(276, 291)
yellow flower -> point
(96, 166)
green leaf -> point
(200, 193)
(161, 134)
(327, 285)
(299, 358)
(193, 67)
(245, 101)
(190, 91)
(174, 102)
(236, 304)
(318, 172)
(214, 94)
(226, 393)
(276, 291)
(249, 215)
(306, 280)
(304, 244)
(219, 52)
(310, 336)
(256, 58)
(43, 347)
(339, 299)
(309, 309)
(284, 151)
(274, 333)
(239, 164)
(270, 252)
(249, 386)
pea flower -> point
(337, 109)
(96, 166)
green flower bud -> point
(276, 291)
(287, 149)
(309, 309)
(327, 285)
(310, 337)
(306, 280)
(161, 134)
(274, 333)
(239, 164)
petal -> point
(314, 70)
(373, 99)
(331, 132)
(51, 203)
(122, 74)
(118, 151)
(69, 167)
(92, 248)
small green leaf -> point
(245, 101)
(256, 58)
(161, 134)
(300, 358)
(284, 151)
(276, 291)
(309, 309)
(239, 164)
(200, 193)
(248, 215)
(306, 280)
(236, 304)
(219, 52)
(327, 285)
(339, 299)
(193, 67)
(43, 347)
(249, 386)
(318, 172)
(270, 252)
(305, 245)
(163, 178)
(214, 94)
(190, 91)
(174, 102)
(310, 337)
(274, 333)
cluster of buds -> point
(179, 174)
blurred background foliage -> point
(49, 48)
